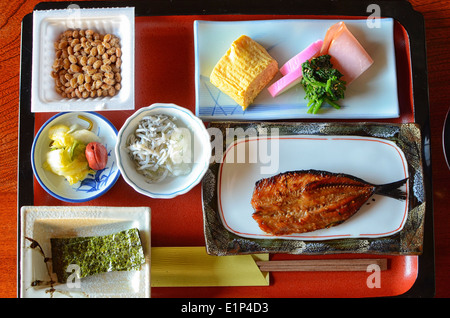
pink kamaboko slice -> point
(347, 54)
(297, 61)
(292, 70)
(286, 82)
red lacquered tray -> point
(165, 73)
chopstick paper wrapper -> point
(192, 266)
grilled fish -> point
(309, 200)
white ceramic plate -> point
(373, 95)
(44, 222)
(94, 185)
(374, 160)
(48, 25)
(171, 186)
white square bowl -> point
(48, 25)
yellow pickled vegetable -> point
(67, 154)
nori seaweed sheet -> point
(121, 251)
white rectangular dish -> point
(48, 25)
(374, 160)
(373, 95)
(41, 223)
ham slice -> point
(347, 54)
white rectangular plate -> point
(373, 95)
(374, 160)
(43, 222)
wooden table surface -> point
(437, 22)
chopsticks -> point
(322, 265)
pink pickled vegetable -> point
(297, 61)
(96, 155)
(286, 82)
(292, 69)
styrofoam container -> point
(47, 27)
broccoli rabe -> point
(322, 83)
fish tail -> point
(392, 190)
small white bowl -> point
(94, 185)
(171, 186)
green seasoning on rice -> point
(121, 251)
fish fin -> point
(392, 190)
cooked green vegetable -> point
(121, 251)
(322, 83)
